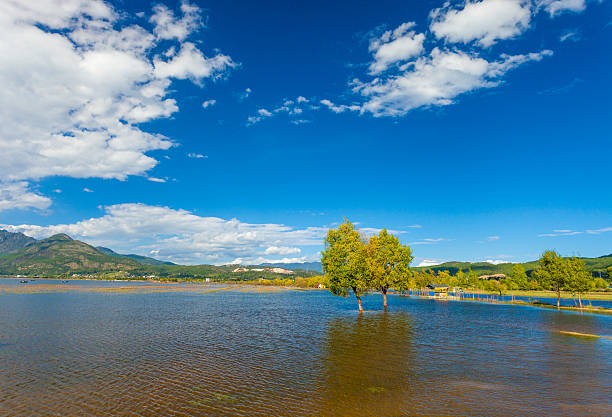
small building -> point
(439, 290)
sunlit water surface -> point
(143, 349)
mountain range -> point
(60, 255)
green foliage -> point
(519, 277)
(388, 262)
(344, 261)
(578, 279)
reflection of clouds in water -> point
(369, 363)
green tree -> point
(388, 263)
(579, 279)
(551, 273)
(519, 277)
(344, 262)
(461, 279)
(600, 283)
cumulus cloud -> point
(495, 261)
(436, 80)
(168, 26)
(339, 108)
(208, 103)
(191, 63)
(264, 113)
(395, 46)
(429, 262)
(18, 195)
(77, 82)
(283, 250)
(485, 21)
(181, 236)
(557, 7)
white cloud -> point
(87, 190)
(289, 107)
(196, 155)
(429, 262)
(251, 120)
(339, 108)
(264, 113)
(598, 231)
(261, 260)
(300, 121)
(496, 261)
(167, 26)
(191, 64)
(485, 21)
(283, 250)
(395, 46)
(181, 236)
(244, 95)
(560, 232)
(153, 179)
(571, 35)
(493, 238)
(17, 195)
(209, 103)
(436, 79)
(557, 7)
(429, 241)
(77, 82)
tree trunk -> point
(384, 293)
(558, 298)
(359, 302)
(579, 301)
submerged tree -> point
(388, 263)
(579, 280)
(344, 262)
(552, 273)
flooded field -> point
(144, 349)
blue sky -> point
(476, 131)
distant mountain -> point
(10, 241)
(306, 266)
(145, 260)
(61, 255)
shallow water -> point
(134, 349)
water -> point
(149, 349)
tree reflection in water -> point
(369, 363)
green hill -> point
(61, 255)
(13, 241)
(484, 268)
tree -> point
(579, 279)
(551, 273)
(388, 263)
(519, 277)
(344, 262)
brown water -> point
(144, 350)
